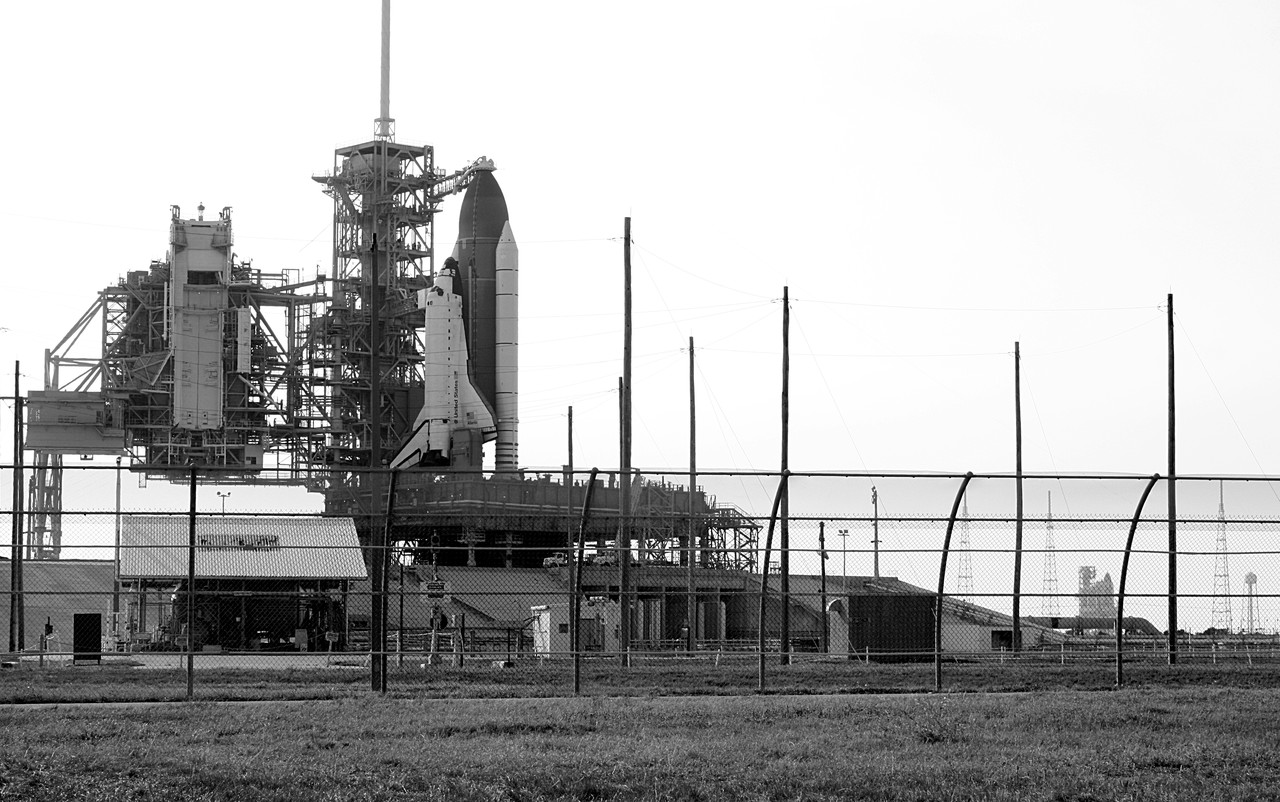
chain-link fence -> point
(128, 585)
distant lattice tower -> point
(1049, 591)
(1251, 599)
(964, 559)
(1221, 576)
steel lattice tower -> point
(964, 560)
(1251, 602)
(1049, 587)
(1221, 576)
(365, 351)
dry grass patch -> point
(1133, 745)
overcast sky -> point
(933, 182)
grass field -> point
(607, 678)
(1141, 744)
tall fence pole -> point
(784, 546)
(191, 588)
(822, 565)
(1173, 505)
(764, 573)
(1124, 577)
(385, 559)
(15, 556)
(575, 588)
(942, 576)
(20, 515)
(1017, 537)
(115, 587)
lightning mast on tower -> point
(386, 123)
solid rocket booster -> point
(506, 406)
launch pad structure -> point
(250, 376)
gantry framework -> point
(299, 361)
(724, 536)
(121, 401)
(267, 406)
(385, 198)
(323, 375)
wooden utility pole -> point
(571, 552)
(624, 496)
(1173, 507)
(1017, 537)
(784, 538)
(691, 553)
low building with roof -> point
(488, 609)
(278, 582)
(523, 611)
(300, 583)
(54, 592)
(886, 616)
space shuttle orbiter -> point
(471, 343)
(455, 419)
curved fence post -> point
(764, 572)
(576, 558)
(384, 560)
(1124, 576)
(942, 575)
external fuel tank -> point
(488, 267)
(470, 357)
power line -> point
(1011, 310)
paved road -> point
(207, 660)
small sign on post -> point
(435, 588)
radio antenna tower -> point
(1049, 590)
(964, 565)
(1221, 577)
